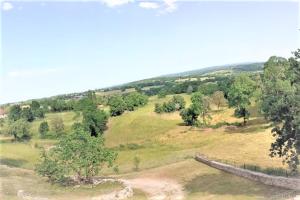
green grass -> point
(69, 118)
(163, 143)
(14, 179)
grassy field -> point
(166, 147)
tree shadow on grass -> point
(12, 162)
(252, 126)
(227, 184)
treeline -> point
(119, 104)
(28, 113)
(176, 103)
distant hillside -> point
(234, 67)
(205, 74)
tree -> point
(208, 88)
(162, 94)
(35, 105)
(189, 89)
(240, 94)
(117, 105)
(205, 110)
(281, 105)
(77, 156)
(190, 115)
(199, 106)
(19, 129)
(134, 100)
(43, 128)
(15, 113)
(94, 121)
(57, 126)
(27, 114)
(178, 101)
(37, 110)
(224, 85)
(218, 99)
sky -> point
(50, 48)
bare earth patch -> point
(158, 189)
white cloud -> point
(171, 6)
(7, 6)
(113, 3)
(149, 5)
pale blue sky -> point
(54, 48)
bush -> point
(176, 103)
(135, 100)
(158, 108)
(57, 126)
(43, 129)
(77, 157)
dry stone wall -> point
(288, 183)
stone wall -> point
(288, 183)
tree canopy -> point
(19, 129)
(77, 157)
(281, 104)
(240, 94)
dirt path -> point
(157, 189)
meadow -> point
(166, 148)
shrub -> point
(43, 129)
(176, 103)
(57, 126)
(158, 108)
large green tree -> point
(15, 113)
(94, 120)
(19, 129)
(281, 105)
(240, 94)
(37, 110)
(76, 157)
(117, 105)
(199, 106)
(27, 114)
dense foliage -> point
(176, 103)
(200, 107)
(281, 104)
(19, 129)
(77, 156)
(119, 104)
(94, 120)
(43, 129)
(240, 94)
